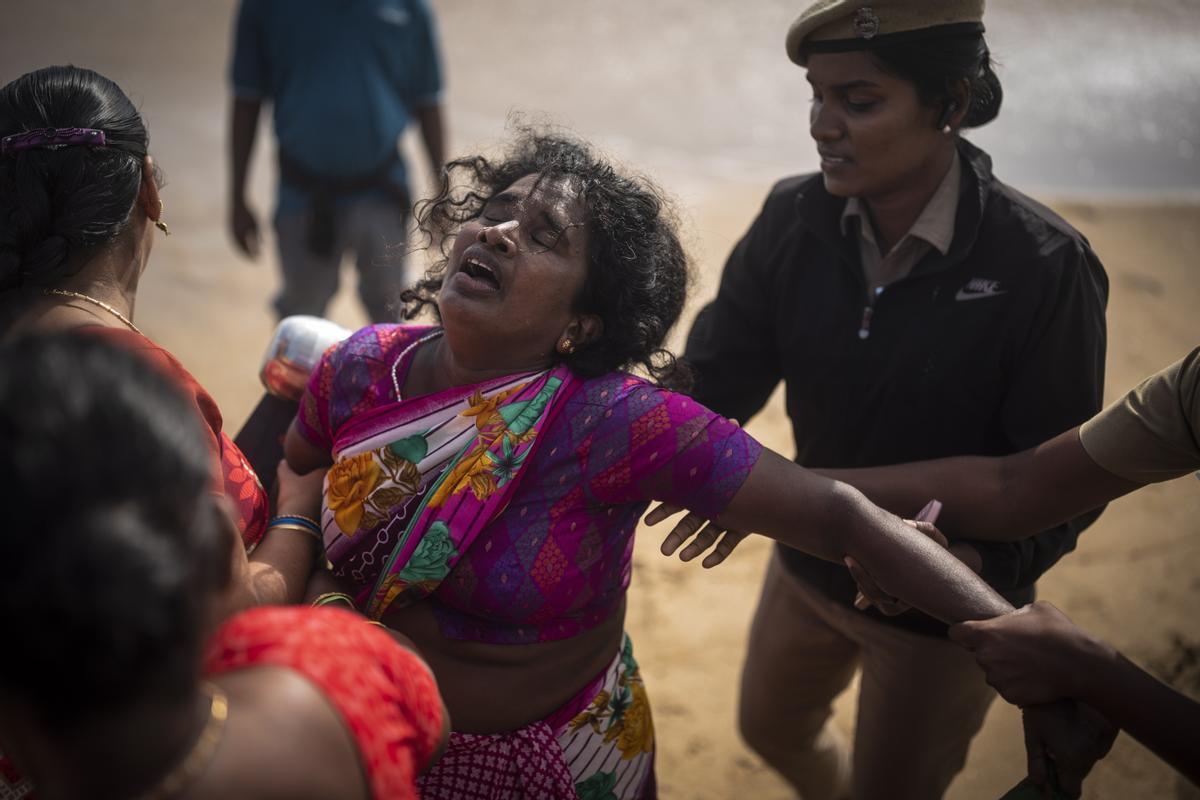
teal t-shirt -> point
(344, 77)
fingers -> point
(245, 231)
(1070, 778)
(660, 512)
(1035, 753)
(728, 542)
(967, 634)
(704, 540)
(869, 592)
(683, 530)
(930, 530)
(706, 532)
(1069, 738)
(861, 602)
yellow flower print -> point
(636, 728)
(349, 483)
(593, 714)
(459, 478)
(484, 409)
(483, 484)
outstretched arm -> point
(1000, 499)
(832, 521)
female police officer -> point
(915, 307)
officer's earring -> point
(947, 115)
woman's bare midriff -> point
(494, 688)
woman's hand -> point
(707, 533)
(299, 494)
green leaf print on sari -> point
(597, 787)
(411, 448)
(505, 465)
(627, 659)
(430, 561)
(520, 417)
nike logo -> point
(977, 288)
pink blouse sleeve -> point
(312, 420)
(353, 376)
(650, 444)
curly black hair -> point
(638, 271)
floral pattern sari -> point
(598, 746)
(414, 482)
(511, 506)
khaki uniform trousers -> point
(921, 700)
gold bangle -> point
(292, 526)
(333, 597)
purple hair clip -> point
(51, 137)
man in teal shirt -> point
(344, 79)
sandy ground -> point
(1136, 577)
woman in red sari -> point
(79, 204)
(114, 576)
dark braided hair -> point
(112, 547)
(637, 269)
(55, 202)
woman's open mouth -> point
(481, 277)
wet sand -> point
(1136, 576)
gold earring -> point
(566, 347)
(158, 223)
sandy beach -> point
(1135, 578)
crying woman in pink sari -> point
(488, 472)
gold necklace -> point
(201, 753)
(94, 301)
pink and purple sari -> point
(510, 506)
(414, 482)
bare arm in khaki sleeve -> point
(1149, 435)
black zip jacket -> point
(993, 348)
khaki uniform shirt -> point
(934, 229)
(1153, 433)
